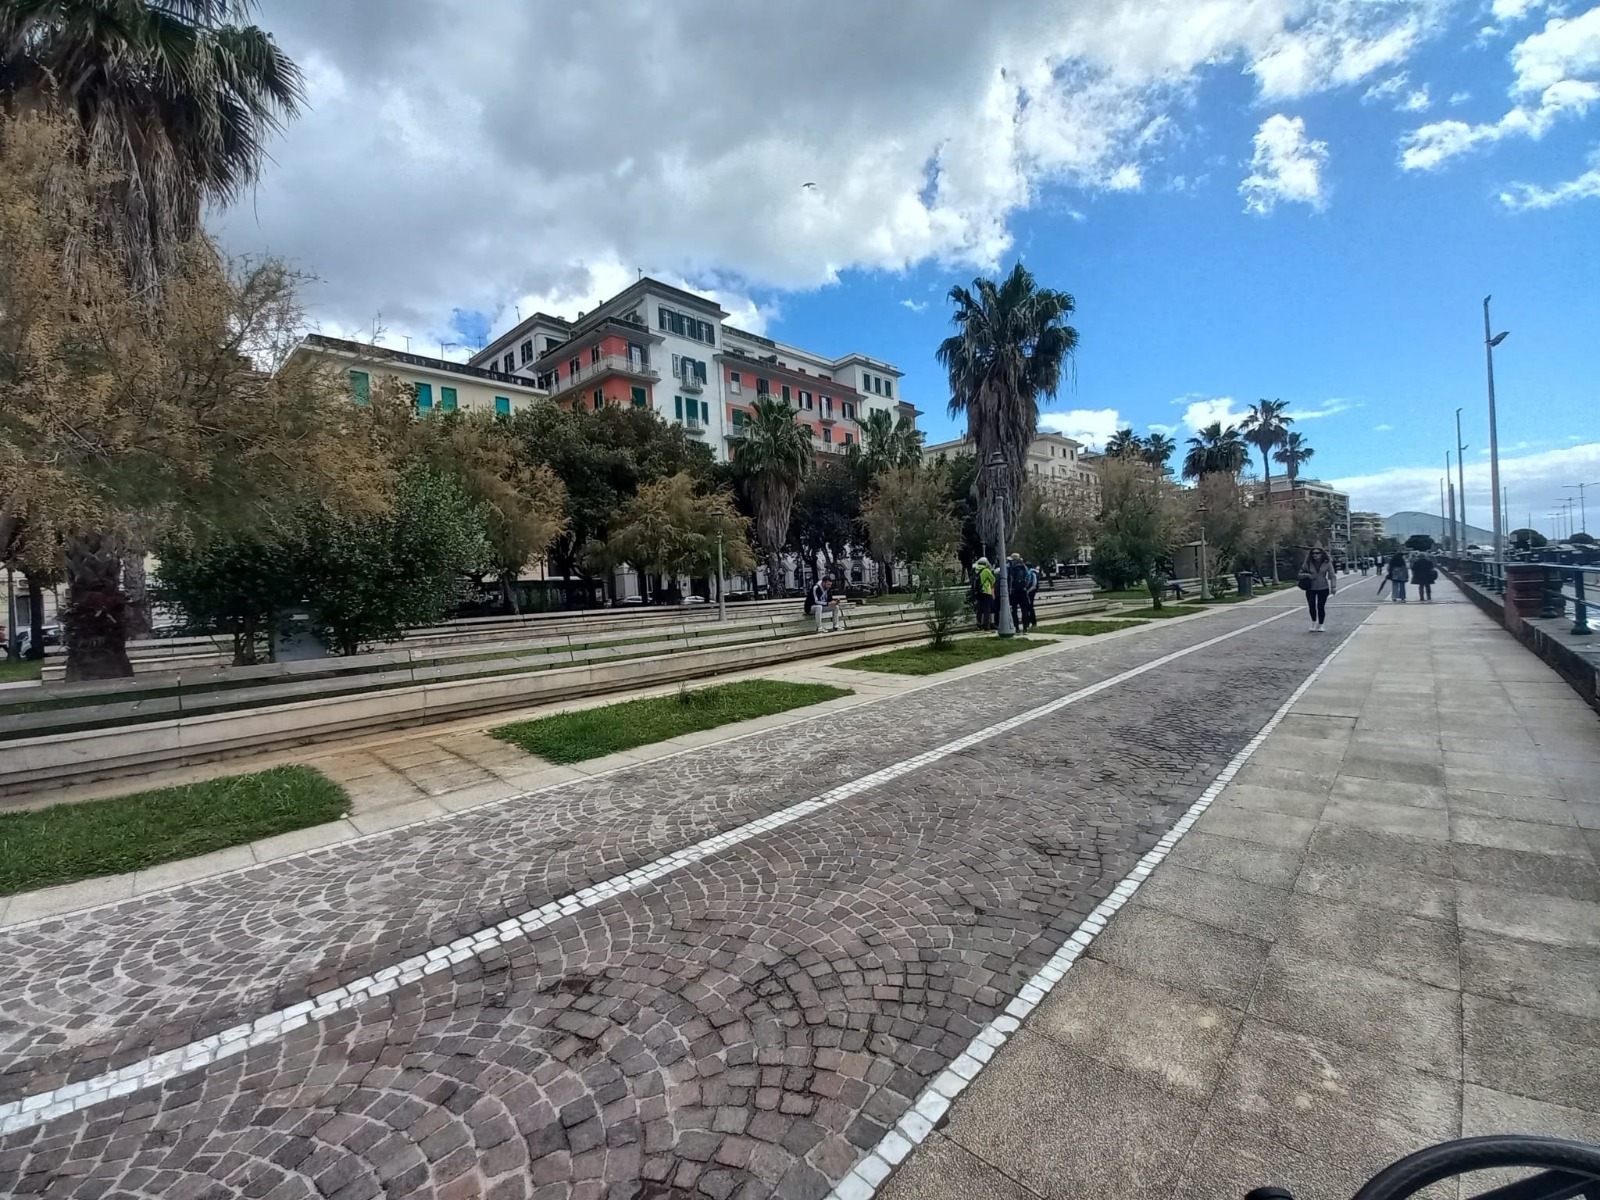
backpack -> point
(811, 599)
(1033, 581)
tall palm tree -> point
(175, 97)
(175, 100)
(1265, 427)
(1124, 443)
(771, 456)
(1157, 449)
(1293, 454)
(1011, 345)
(1215, 449)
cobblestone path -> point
(740, 1027)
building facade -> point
(1334, 503)
(1052, 457)
(438, 384)
(659, 347)
(1366, 528)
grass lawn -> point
(588, 733)
(14, 670)
(925, 660)
(68, 842)
(1087, 628)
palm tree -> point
(1265, 428)
(1011, 345)
(1293, 454)
(1124, 443)
(1158, 448)
(173, 97)
(1216, 449)
(771, 456)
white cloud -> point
(1459, 98)
(1585, 187)
(915, 306)
(1091, 426)
(1199, 413)
(1398, 90)
(1513, 10)
(1417, 101)
(1164, 430)
(413, 190)
(1330, 408)
(1383, 429)
(1286, 166)
(1532, 480)
(1556, 77)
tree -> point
(1233, 529)
(961, 479)
(908, 516)
(173, 104)
(772, 456)
(886, 442)
(938, 587)
(1582, 538)
(236, 584)
(369, 578)
(1522, 539)
(1265, 428)
(129, 414)
(1158, 450)
(1215, 449)
(671, 529)
(826, 519)
(1141, 521)
(1293, 454)
(1125, 443)
(1055, 521)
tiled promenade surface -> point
(1385, 934)
(802, 928)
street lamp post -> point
(1205, 574)
(722, 596)
(1002, 593)
(1490, 341)
(1461, 483)
(1583, 512)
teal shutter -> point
(360, 387)
(705, 413)
(424, 395)
(502, 406)
(447, 399)
(677, 407)
(639, 399)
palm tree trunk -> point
(1266, 470)
(96, 615)
(35, 614)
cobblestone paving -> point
(740, 1028)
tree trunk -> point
(135, 587)
(95, 620)
(508, 594)
(35, 614)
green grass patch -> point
(68, 842)
(591, 732)
(925, 660)
(1087, 628)
(15, 670)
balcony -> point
(689, 383)
(609, 364)
(693, 425)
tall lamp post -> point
(1205, 574)
(1461, 483)
(1583, 512)
(1002, 593)
(1450, 487)
(1490, 341)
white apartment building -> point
(1051, 456)
(660, 347)
(439, 384)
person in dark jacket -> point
(1318, 578)
(1395, 576)
(1423, 573)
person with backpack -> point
(1017, 589)
(1423, 573)
(1395, 576)
(983, 582)
(1030, 614)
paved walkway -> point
(735, 971)
(1383, 935)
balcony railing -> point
(609, 364)
(694, 425)
(689, 383)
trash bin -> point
(1246, 582)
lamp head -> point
(1498, 338)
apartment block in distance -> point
(659, 347)
(1052, 457)
(438, 384)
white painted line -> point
(865, 1177)
(34, 1109)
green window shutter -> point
(639, 400)
(360, 387)
(447, 399)
(502, 406)
(705, 413)
(786, 393)
(599, 397)
(677, 407)
(424, 395)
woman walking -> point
(1395, 576)
(1317, 577)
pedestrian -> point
(1175, 583)
(1395, 576)
(1016, 588)
(982, 592)
(1318, 579)
(1366, 565)
(824, 603)
(1423, 575)
(1030, 614)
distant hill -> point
(1403, 524)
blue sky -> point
(1297, 199)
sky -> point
(1304, 200)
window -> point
(805, 399)
(849, 438)
(866, 385)
(551, 343)
(763, 387)
(738, 417)
(734, 385)
(509, 363)
(360, 387)
(526, 350)
(599, 397)
(594, 354)
(573, 366)
(849, 410)
(705, 413)
(502, 406)
(786, 393)
(447, 399)
(547, 378)
(827, 405)
(424, 395)
(639, 398)
(888, 388)
(677, 408)
(827, 434)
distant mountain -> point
(1403, 524)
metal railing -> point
(607, 364)
(1559, 584)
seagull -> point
(808, 185)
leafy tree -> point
(369, 578)
(1232, 527)
(236, 584)
(1011, 344)
(1125, 443)
(772, 456)
(939, 588)
(1055, 521)
(128, 414)
(826, 519)
(909, 516)
(886, 442)
(1522, 539)
(1141, 521)
(961, 479)
(1419, 542)
(1158, 450)
(671, 529)
(1582, 539)
(1265, 428)
(1294, 453)
(1217, 448)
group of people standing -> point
(1420, 570)
(1022, 585)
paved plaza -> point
(765, 965)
